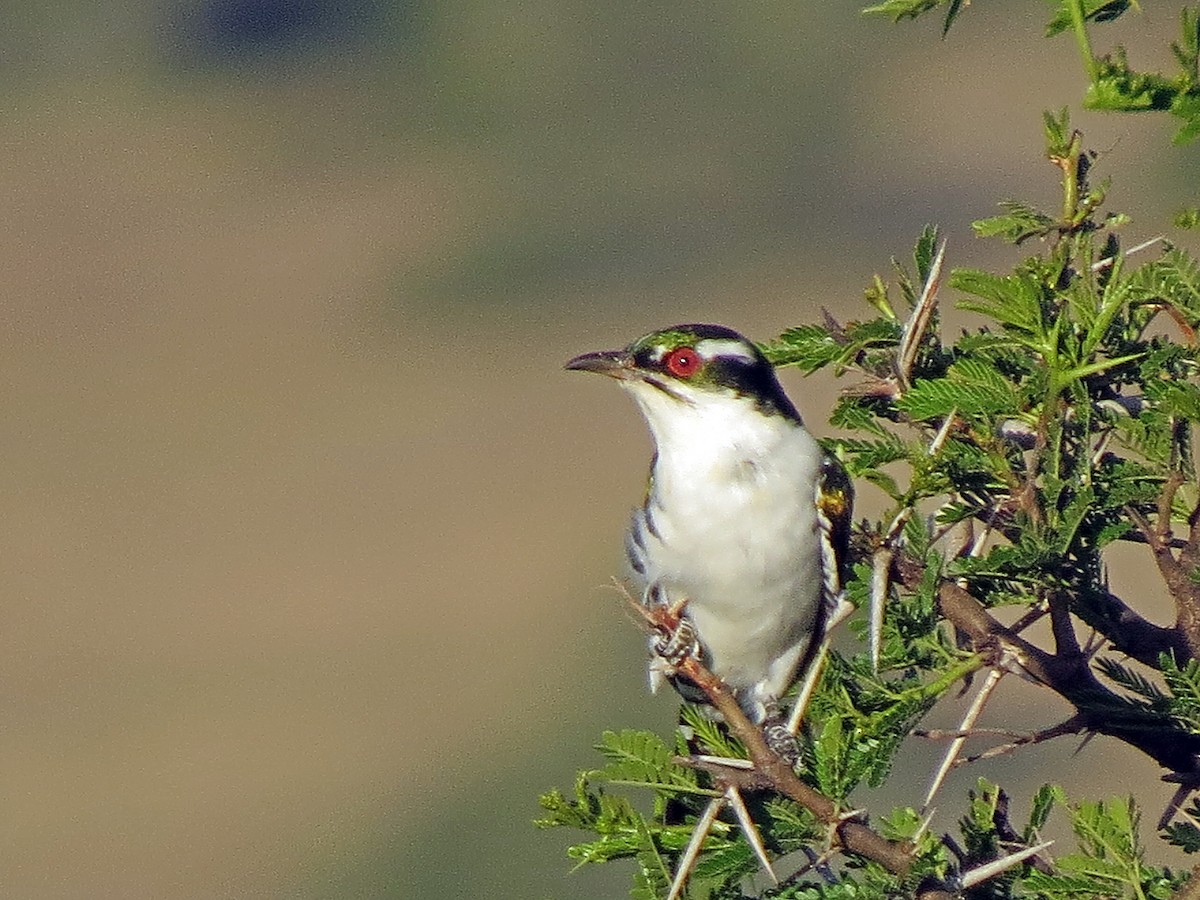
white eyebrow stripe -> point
(714, 347)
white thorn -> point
(749, 829)
(995, 867)
(897, 525)
(1108, 260)
(977, 547)
(943, 433)
(804, 695)
(839, 614)
(729, 762)
(924, 826)
(918, 320)
(881, 569)
(968, 720)
(688, 860)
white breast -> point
(733, 529)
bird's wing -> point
(835, 502)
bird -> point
(746, 518)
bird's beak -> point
(614, 363)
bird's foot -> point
(678, 644)
(781, 740)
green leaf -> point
(1174, 277)
(1044, 801)
(1093, 11)
(642, 758)
(1064, 887)
(1187, 50)
(1094, 368)
(952, 14)
(1014, 301)
(809, 347)
(928, 400)
(830, 749)
(925, 252)
(1184, 835)
(1019, 223)
(1187, 219)
(856, 414)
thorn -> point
(749, 829)
(1087, 739)
(918, 320)
(943, 433)
(729, 762)
(1175, 805)
(1101, 448)
(688, 860)
(1144, 245)
(817, 862)
(995, 867)
(924, 826)
(839, 614)
(881, 581)
(897, 525)
(881, 569)
(968, 720)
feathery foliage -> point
(1010, 459)
(1113, 84)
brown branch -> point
(1176, 572)
(1074, 725)
(855, 837)
(775, 772)
(1127, 631)
(1194, 525)
(1070, 677)
(1066, 643)
(1166, 502)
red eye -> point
(683, 362)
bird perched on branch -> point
(746, 518)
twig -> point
(1175, 572)
(1071, 678)
(1073, 725)
(854, 836)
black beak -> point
(614, 363)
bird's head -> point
(692, 367)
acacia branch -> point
(1068, 676)
(1127, 631)
(1176, 572)
(778, 775)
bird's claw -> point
(678, 644)
(781, 741)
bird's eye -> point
(683, 362)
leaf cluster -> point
(1009, 459)
(1114, 85)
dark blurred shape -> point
(217, 32)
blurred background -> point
(307, 537)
